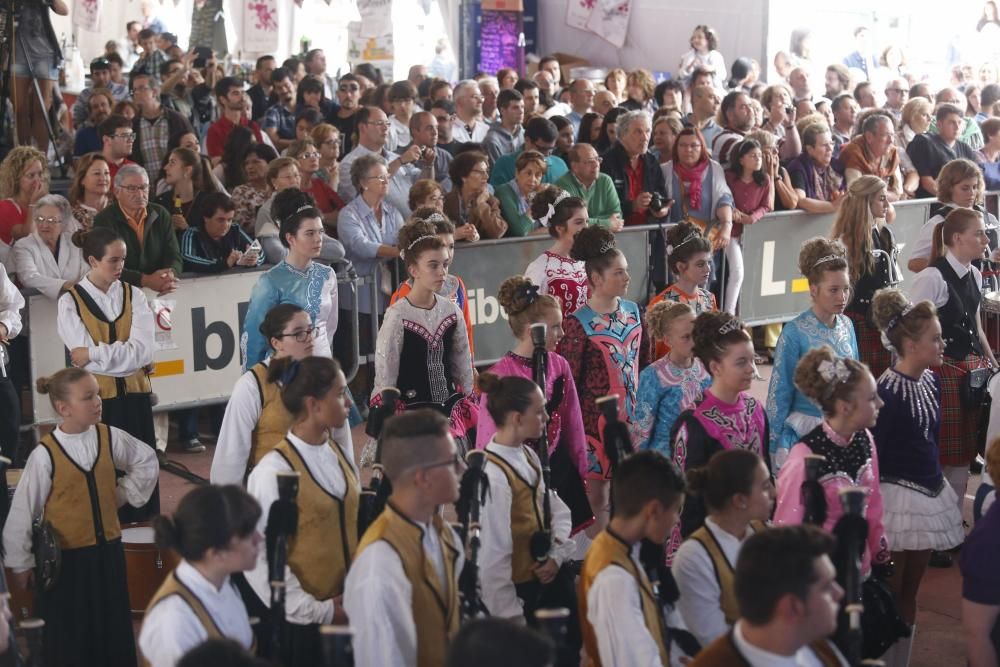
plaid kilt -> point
(959, 425)
(870, 347)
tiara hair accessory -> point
(544, 220)
(828, 258)
(304, 207)
(730, 326)
(415, 242)
(886, 343)
(834, 372)
(433, 217)
(687, 239)
(608, 247)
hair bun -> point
(591, 243)
(514, 295)
(489, 383)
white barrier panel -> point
(202, 334)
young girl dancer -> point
(689, 258)
(554, 271)
(846, 393)
(515, 582)
(790, 413)
(524, 306)
(314, 392)
(671, 384)
(604, 348)
(728, 417)
(921, 511)
(736, 487)
(70, 481)
(953, 285)
(215, 531)
(453, 287)
(753, 197)
(107, 326)
(256, 420)
(422, 348)
(871, 250)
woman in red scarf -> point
(697, 183)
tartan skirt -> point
(870, 347)
(959, 424)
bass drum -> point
(989, 311)
(147, 567)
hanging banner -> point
(260, 26)
(578, 13)
(376, 18)
(87, 14)
(609, 20)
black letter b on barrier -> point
(200, 334)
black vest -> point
(957, 317)
(879, 277)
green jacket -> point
(159, 249)
(601, 199)
(518, 224)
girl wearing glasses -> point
(314, 391)
(423, 347)
(46, 259)
(256, 419)
(107, 327)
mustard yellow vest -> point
(724, 574)
(274, 421)
(609, 550)
(323, 546)
(103, 331)
(525, 515)
(434, 607)
(174, 586)
(75, 490)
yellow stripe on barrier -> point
(165, 368)
(800, 285)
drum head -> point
(138, 535)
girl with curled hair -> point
(953, 284)
(921, 513)
(554, 271)
(526, 305)
(728, 417)
(791, 413)
(214, 529)
(71, 480)
(672, 384)
(861, 225)
(846, 393)
(423, 345)
(605, 348)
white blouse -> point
(378, 600)
(118, 359)
(300, 607)
(499, 594)
(38, 268)
(171, 628)
(11, 303)
(131, 455)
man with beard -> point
(88, 139)
(738, 117)
(100, 78)
(279, 121)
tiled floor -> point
(939, 633)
